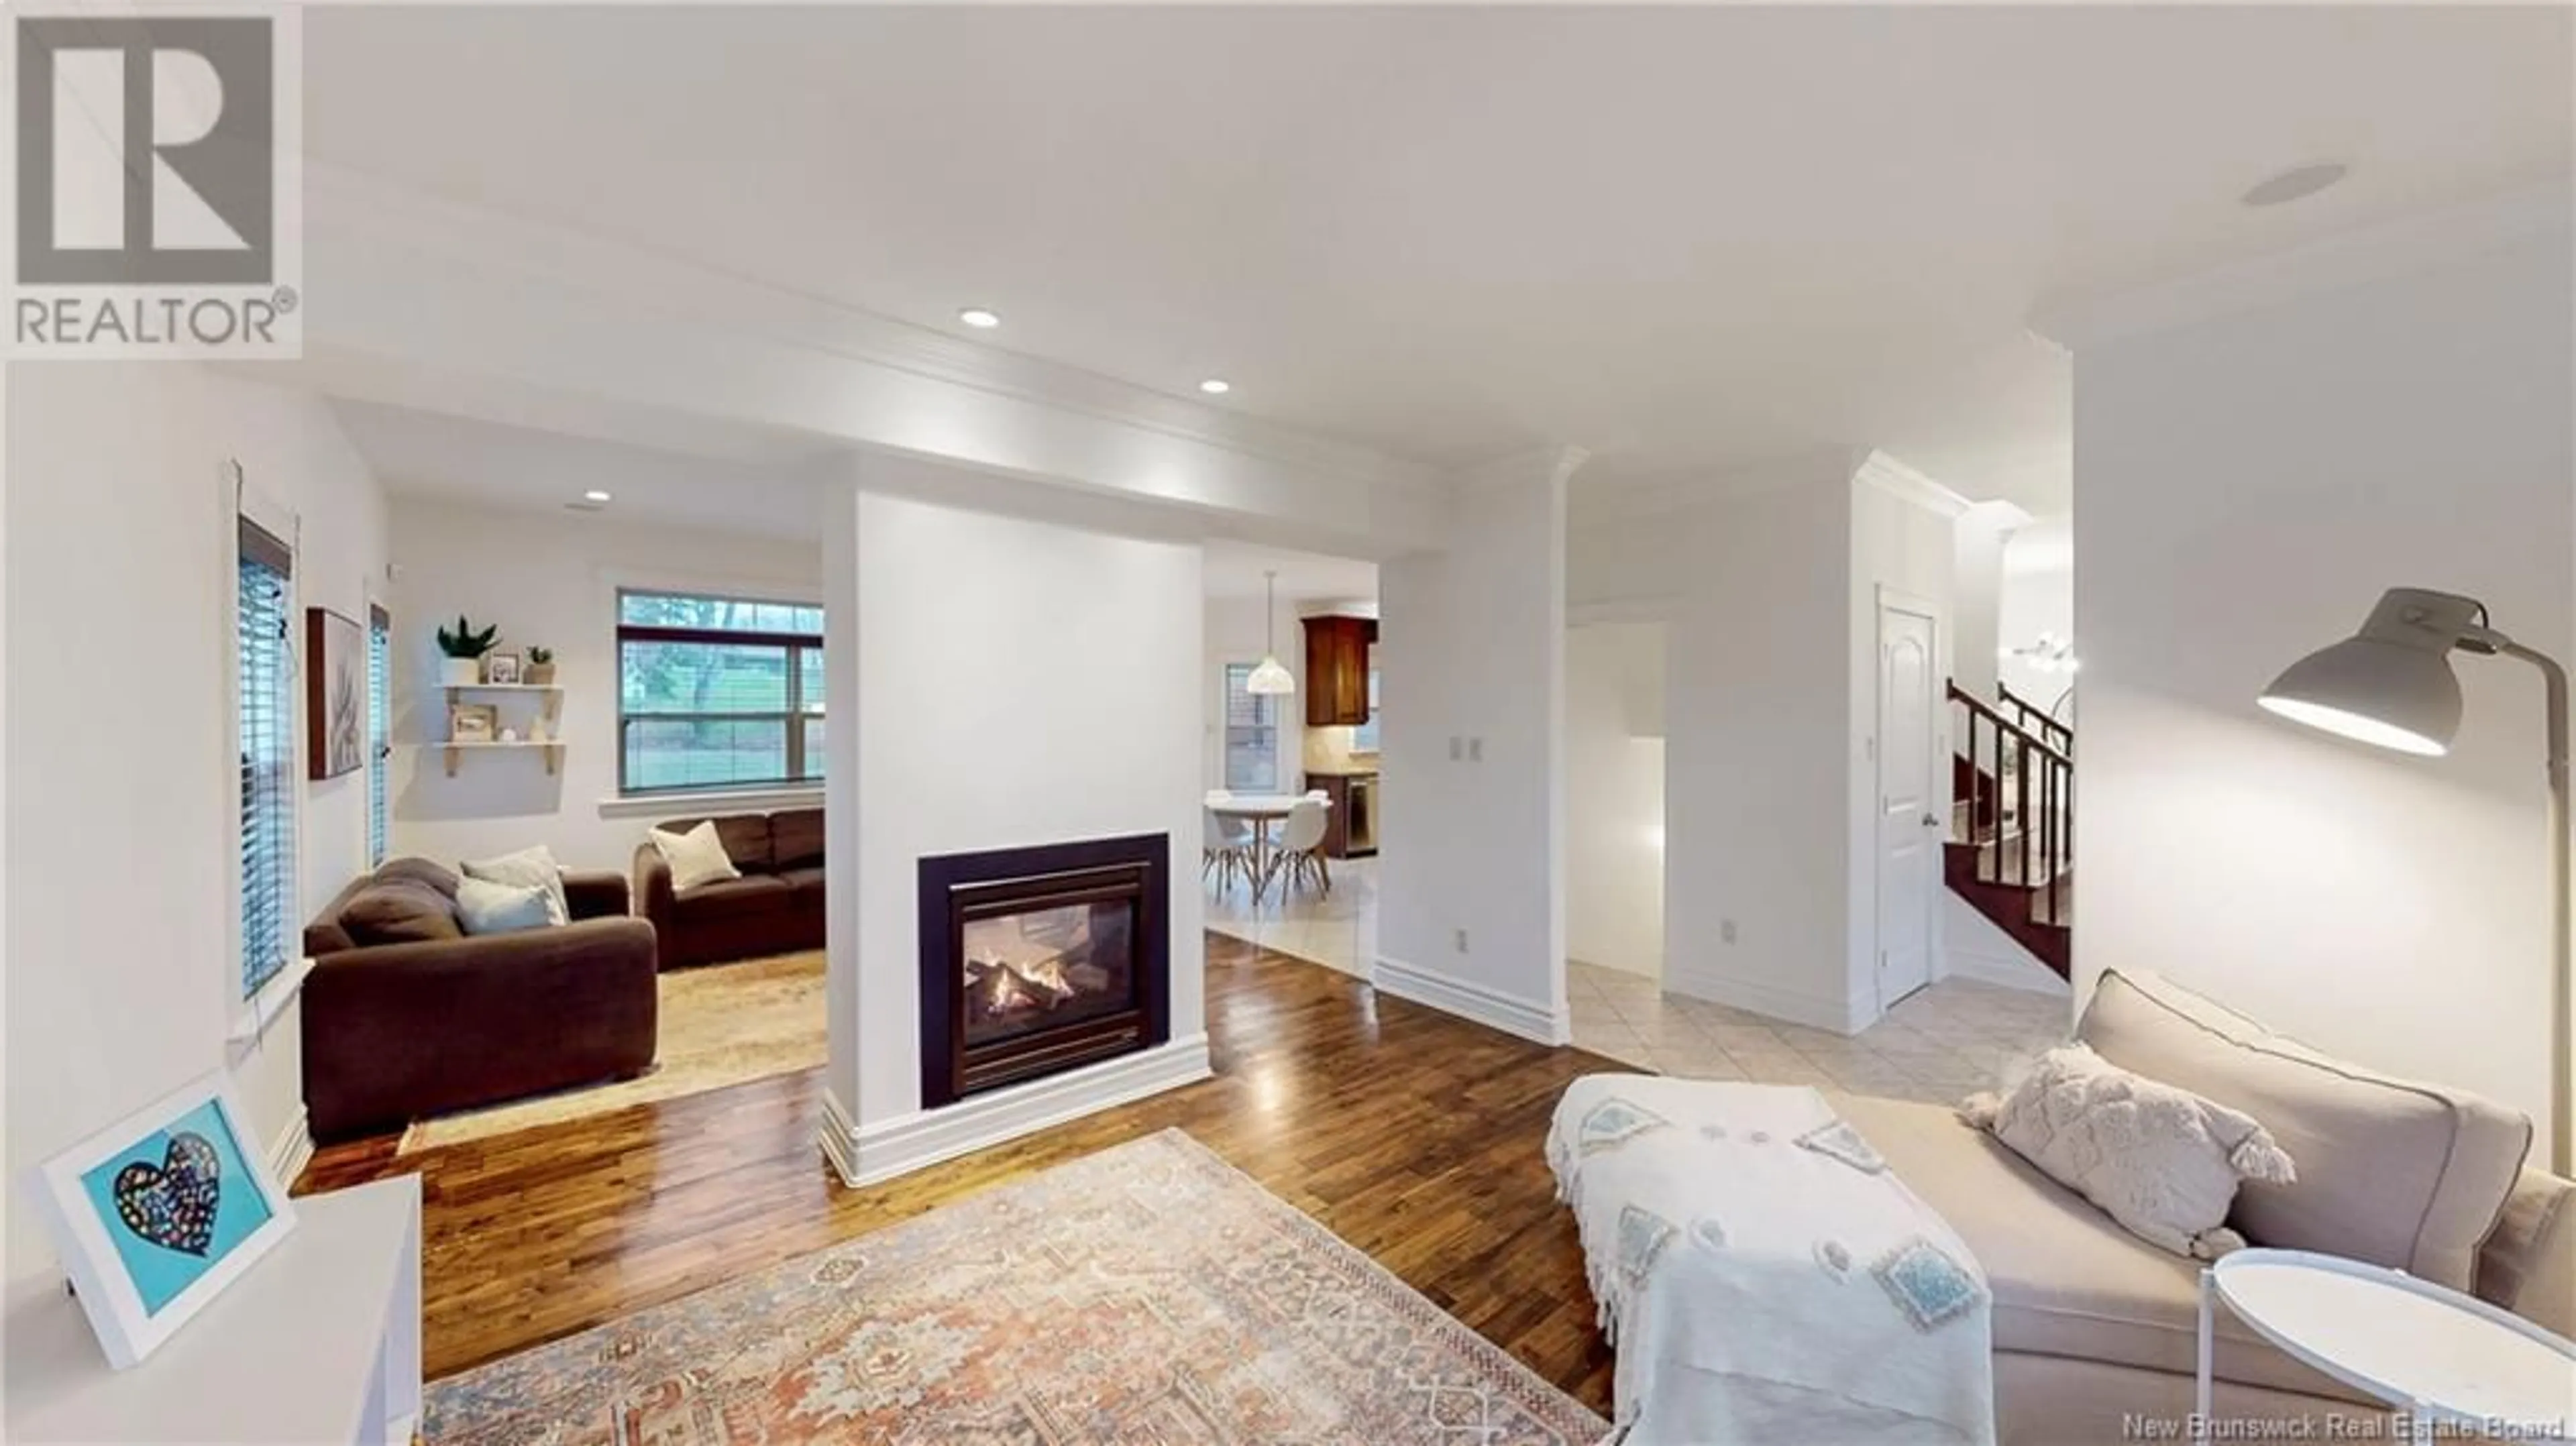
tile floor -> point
(1339, 932)
(1936, 1045)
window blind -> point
(265, 647)
(380, 742)
(1251, 734)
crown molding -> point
(2377, 252)
(1891, 476)
(595, 268)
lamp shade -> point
(1270, 680)
(2393, 694)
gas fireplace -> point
(1038, 960)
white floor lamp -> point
(2391, 684)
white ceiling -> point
(1684, 239)
(1235, 570)
(496, 464)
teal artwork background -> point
(159, 1272)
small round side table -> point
(2440, 1356)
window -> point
(717, 692)
(1251, 734)
(266, 603)
(380, 721)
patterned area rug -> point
(723, 1024)
(1146, 1294)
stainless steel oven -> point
(1363, 820)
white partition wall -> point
(1471, 647)
(995, 682)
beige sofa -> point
(2094, 1327)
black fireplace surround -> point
(1040, 960)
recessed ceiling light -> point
(1216, 386)
(2295, 184)
(977, 316)
(595, 495)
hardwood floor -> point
(1411, 1134)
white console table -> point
(318, 1343)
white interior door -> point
(1909, 833)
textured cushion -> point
(2161, 1161)
(529, 868)
(2400, 1174)
(490, 908)
(2529, 1264)
(696, 857)
(2067, 1281)
(733, 898)
(745, 835)
(419, 871)
(399, 912)
(796, 839)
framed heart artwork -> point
(156, 1214)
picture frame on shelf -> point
(473, 723)
(501, 667)
(155, 1215)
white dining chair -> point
(1226, 849)
(1301, 848)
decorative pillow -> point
(2392, 1171)
(529, 868)
(410, 870)
(2161, 1161)
(696, 857)
(399, 912)
(490, 908)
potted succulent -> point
(541, 665)
(464, 647)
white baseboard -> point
(1840, 1016)
(292, 1150)
(868, 1154)
(1467, 999)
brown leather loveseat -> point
(776, 907)
(405, 1016)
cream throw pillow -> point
(529, 868)
(2161, 1161)
(696, 857)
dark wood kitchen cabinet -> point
(1337, 667)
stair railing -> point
(2020, 797)
(2036, 720)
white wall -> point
(1979, 539)
(1058, 697)
(122, 804)
(1756, 778)
(2039, 597)
(2246, 484)
(1614, 795)
(1472, 648)
(549, 579)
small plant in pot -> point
(464, 647)
(541, 666)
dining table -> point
(1261, 810)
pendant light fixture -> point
(1271, 679)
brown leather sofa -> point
(405, 1016)
(776, 907)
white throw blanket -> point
(1766, 1279)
